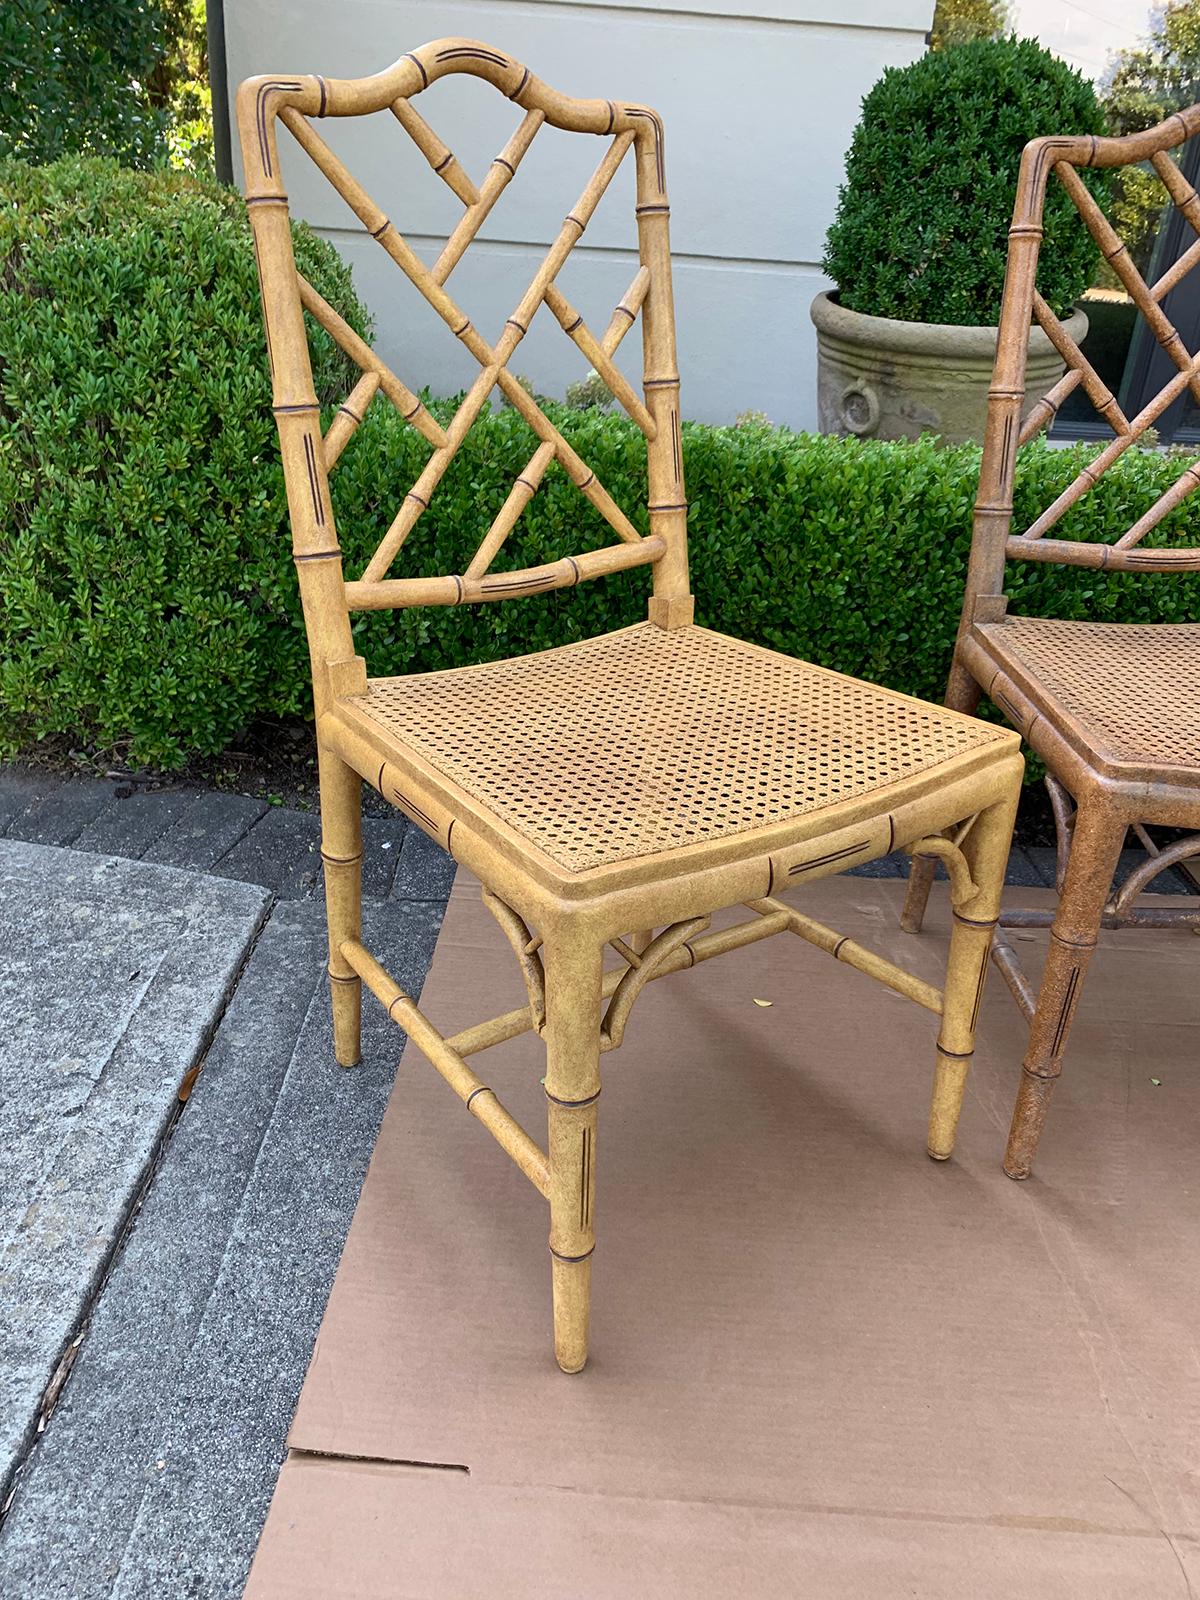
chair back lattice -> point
(309, 458)
(994, 537)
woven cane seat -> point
(645, 740)
(1127, 694)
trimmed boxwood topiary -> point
(920, 230)
(143, 565)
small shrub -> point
(142, 559)
(525, 383)
(920, 231)
(588, 394)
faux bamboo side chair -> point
(610, 794)
(1113, 709)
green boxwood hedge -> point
(845, 552)
(149, 601)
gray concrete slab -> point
(129, 826)
(157, 1467)
(207, 831)
(155, 1473)
(115, 974)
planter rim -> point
(929, 338)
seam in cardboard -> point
(298, 1455)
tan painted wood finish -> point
(612, 795)
(1111, 709)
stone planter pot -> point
(883, 379)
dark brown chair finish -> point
(1113, 710)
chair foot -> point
(1095, 848)
(346, 999)
(572, 1231)
(574, 971)
(976, 907)
(572, 1282)
(1029, 1118)
(341, 857)
(949, 1087)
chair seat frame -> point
(652, 911)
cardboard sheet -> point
(821, 1364)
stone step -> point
(115, 975)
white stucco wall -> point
(759, 99)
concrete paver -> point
(60, 814)
(129, 826)
(207, 831)
(282, 852)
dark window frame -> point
(1148, 368)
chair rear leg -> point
(986, 849)
(341, 856)
(920, 881)
(1095, 848)
(962, 694)
(572, 1035)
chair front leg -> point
(1096, 843)
(572, 1034)
(986, 850)
(341, 856)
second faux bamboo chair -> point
(1113, 709)
(604, 790)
